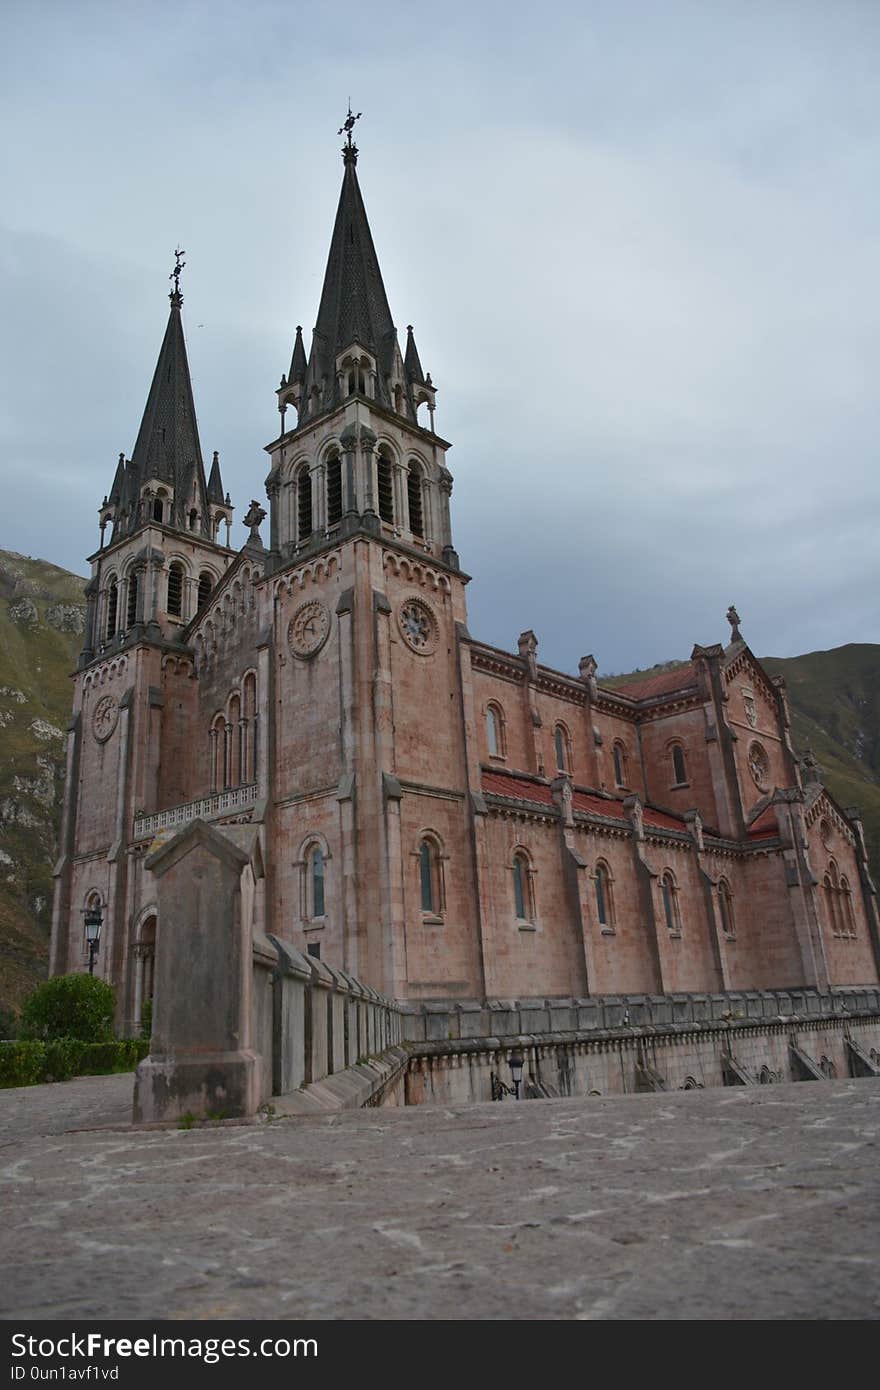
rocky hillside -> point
(42, 613)
(835, 710)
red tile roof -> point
(663, 684)
(765, 826)
(589, 803)
(519, 788)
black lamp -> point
(93, 920)
(517, 1062)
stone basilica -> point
(440, 818)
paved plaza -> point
(727, 1203)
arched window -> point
(217, 754)
(604, 905)
(175, 589)
(618, 753)
(316, 876)
(725, 907)
(560, 738)
(414, 499)
(193, 519)
(523, 901)
(249, 730)
(831, 884)
(304, 504)
(206, 584)
(495, 731)
(233, 755)
(158, 509)
(679, 770)
(132, 608)
(112, 607)
(846, 903)
(334, 490)
(431, 884)
(670, 903)
(386, 489)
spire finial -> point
(176, 297)
(349, 149)
(734, 619)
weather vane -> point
(179, 263)
(348, 124)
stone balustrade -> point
(207, 808)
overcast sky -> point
(639, 242)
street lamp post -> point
(499, 1088)
(93, 921)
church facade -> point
(443, 819)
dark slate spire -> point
(167, 449)
(215, 486)
(411, 362)
(354, 306)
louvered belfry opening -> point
(304, 505)
(175, 590)
(112, 608)
(386, 491)
(414, 496)
(334, 491)
(131, 613)
(205, 586)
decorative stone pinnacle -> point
(734, 619)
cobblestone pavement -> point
(727, 1203)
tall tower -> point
(163, 559)
(370, 760)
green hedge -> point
(30, 1063)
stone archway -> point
(144, 967)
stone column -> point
(201, 1060)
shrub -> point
(64, 1058)
(99, 1059)
(22, 1063)
(69, 1006)
(8, 1024)
(30, 1063)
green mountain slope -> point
(835, 710)
(42, 613)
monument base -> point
(204, 1086)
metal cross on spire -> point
(179, 264)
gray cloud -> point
(638, 242)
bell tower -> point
(362, 454)
(371, 761)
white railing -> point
(209, 806)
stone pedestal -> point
(202, 1062)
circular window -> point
(418, 626)
(759, 765)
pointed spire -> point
(411, 361)
(115, 494)
(167, 449)
(298, 360)
(354, 306)
(215, 486)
